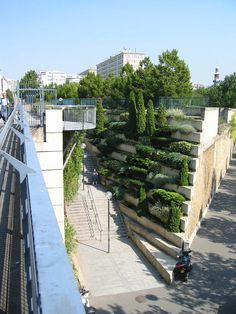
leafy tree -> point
(132, 115)
(67, 90)
(142, 208)
(161, 120)
(100, 118)
(228, 88)
(9, 95)
(173, 75)
(150, 126)
(30, 79)
(91, 86)
(141, 114)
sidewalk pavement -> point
(122, 281)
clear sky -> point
(73, 35)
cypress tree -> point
(100, 118)
(141, 114)
(142, 207)
(183, 174)
(150, 127)
(161, 117)
(174, 219)
(132, 114)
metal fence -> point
(180, 102)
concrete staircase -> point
(158, 245)
(88, 213)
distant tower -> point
(216, 76)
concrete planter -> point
(195, 151)
(131, 199)
(192, 137)
(127, 148)
(184, 190)
(175, 238)
(197, 124)
(118, 156)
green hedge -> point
(183, 174)
(167, 197)
(119, 127)
(145, 151)
(137, 172)
(174, 160)
(182, 147)
(146, 163)
(142, 208)
(159, 142)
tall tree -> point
(174, 75)
(91, 86)
(161, 119)
(141, 114)
(100, 118)
(30, 79)
(150, 126)
(229, 91)
(132, 114)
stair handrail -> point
(90, 224)
(94, 208)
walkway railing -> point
(51, 283)
(89, 220)
(95, 211)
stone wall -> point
(212, 165)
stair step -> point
(162, 262)
(154, 239)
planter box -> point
(118, 156)
(195, 111)
(175, 238)
(195, 151)
(127, 148)
(193, 164)
(197, 124)
(169, 171)
(131, 199)
(184, 190)
(186, 207)
(192, 137)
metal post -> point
(108, 223)
(83, 170)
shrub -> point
(181, 147)
(115, 165)
(70, 237)
(104, 149)
(142, 207)
(184, 128)
(174, 160)
(144, 140)
(174, 220)
(150, 125)
(114, 141)
(117, 126)
(137, 172)
(145, 151)
(104, 171)
(175, 113)
(161, 212)
(146, 163)
(118, 192)
(159, 180)
(183, 174)
(124, 117)
(166, 197)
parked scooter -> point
(183, 266)
(84, 297)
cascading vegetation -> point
(73, 167)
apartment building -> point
(114, 64)
(57, 77)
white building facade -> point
(57, 77)
(114, 64)
(7, 84)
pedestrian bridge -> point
(35, 273)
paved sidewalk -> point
(212, 284)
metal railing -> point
(95, 211)
(89, 220)
(51, 283)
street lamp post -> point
(83, 145)
(108, 196)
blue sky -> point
(73, 35)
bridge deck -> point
(13, 295)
